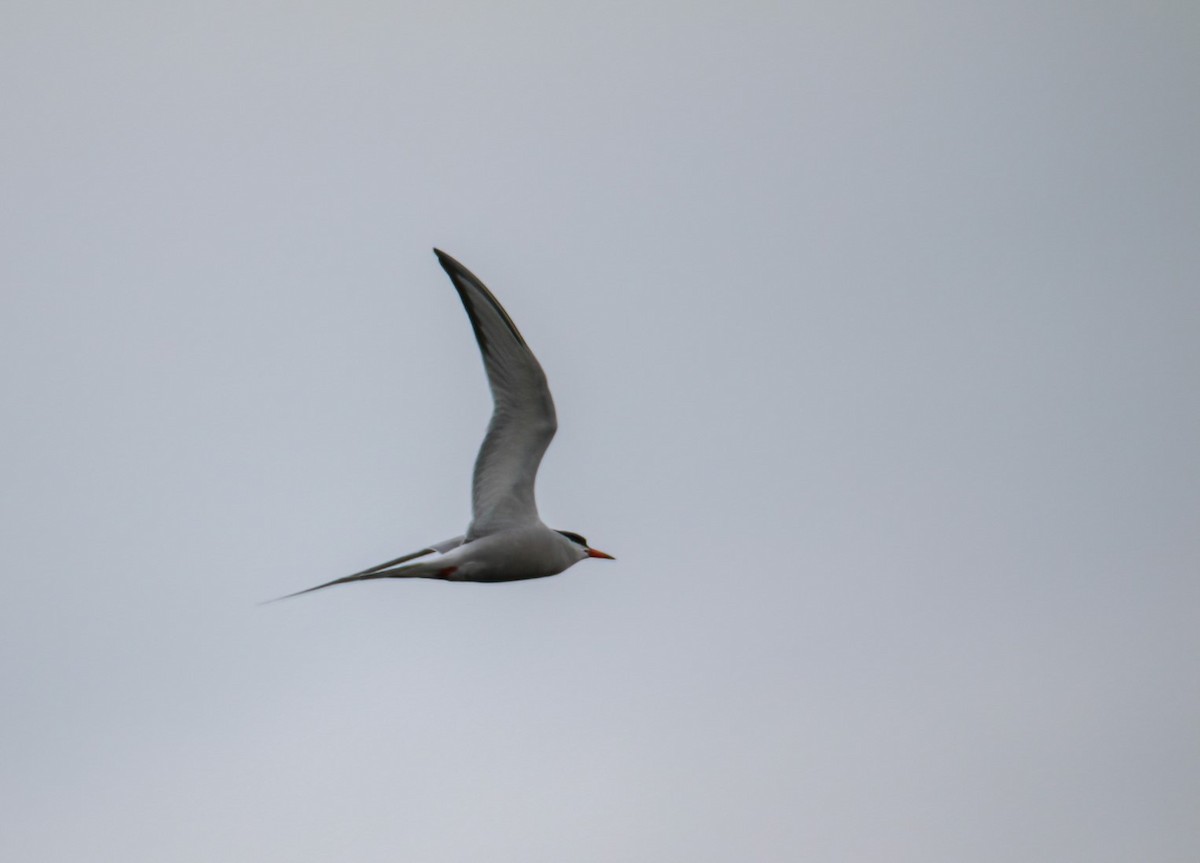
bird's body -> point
(534, 551)
(506, 540)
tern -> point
(506, 540)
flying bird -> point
(506, 540)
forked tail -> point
(430, 569)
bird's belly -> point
(492, 571)
(489, 575)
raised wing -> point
(523, 421)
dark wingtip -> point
(448, 263)
(453, 268)
(460, 276)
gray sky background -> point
(873, 332)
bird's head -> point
(582, 545)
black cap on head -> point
(574, 537)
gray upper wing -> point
(523, 421)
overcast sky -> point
(874, 331)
